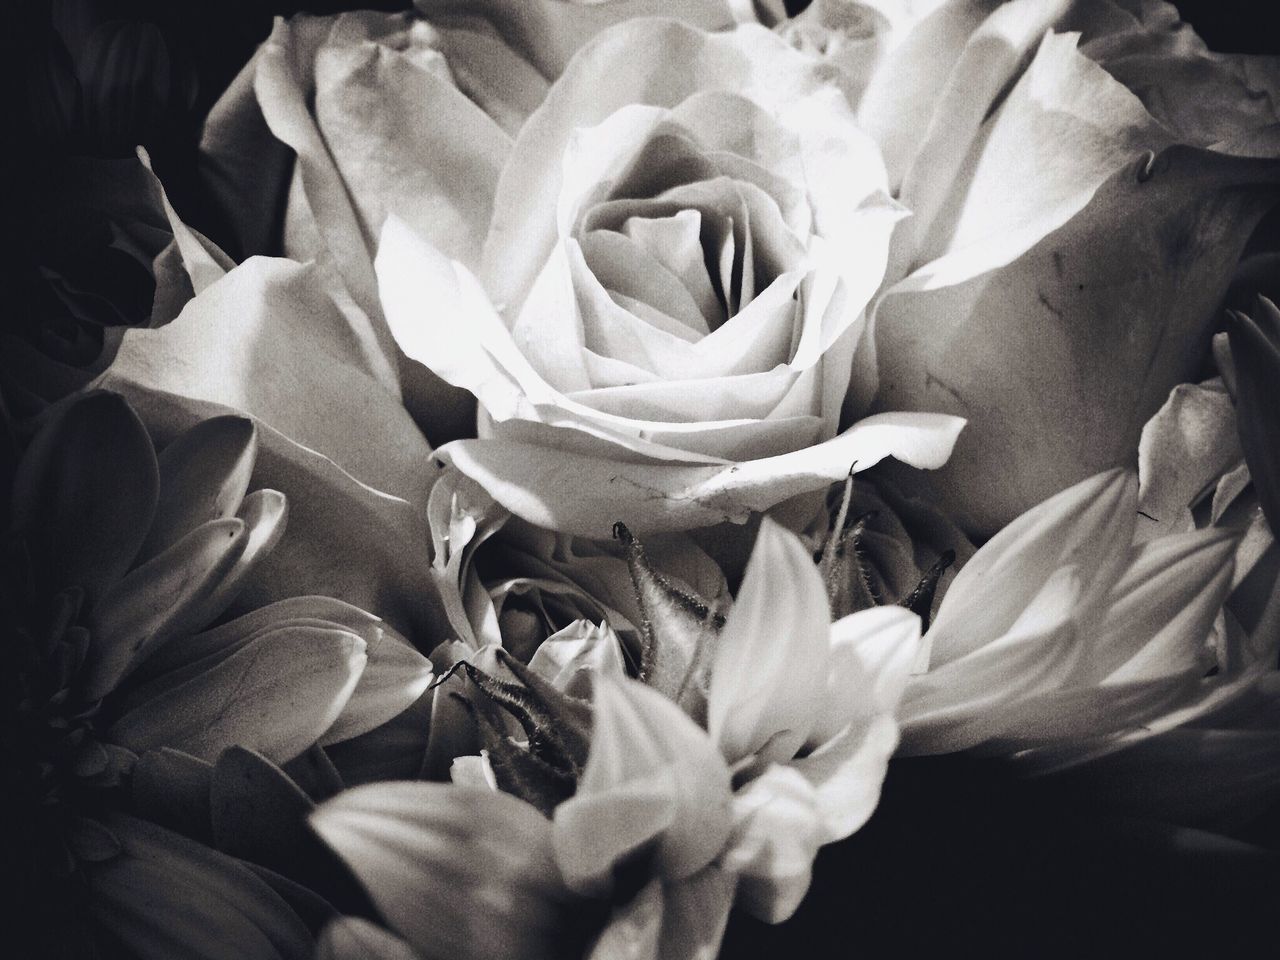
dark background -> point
(960, 858)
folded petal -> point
(204, 475)
(1183, 451)
(262, 337)
(585, 495)
(404, 138)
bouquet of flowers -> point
(512, 478)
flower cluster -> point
(605, 443)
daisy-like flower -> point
(118, 558)
(1060, 634)
(629, 823)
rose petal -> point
(547, 33)
(404, 138)
(262, 337)
(1156, 251)
(607, 75)
(585, 495)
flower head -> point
(1082, 178)
(744, 744)
(119, 559)
(1061, 633)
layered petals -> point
(1060, 633)
(361, 468)
(671, 290)
(1023, 260)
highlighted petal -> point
(650, 768)
(561, 490)
(771, 666)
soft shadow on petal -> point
(85, 492)
(167, 896)
(276, 694)
(459, 872)
(585, 495)
(351, 938)
(1062, 399)
(264, 336)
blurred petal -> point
(459, 872)
(351, 938)
(695, 914)
(777, 833)
(168, 896)
(244, 168)
(171, 788)
(259, 814)
(1255, 345)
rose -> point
(338, 120)
(1070, 240)
(683, 239)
